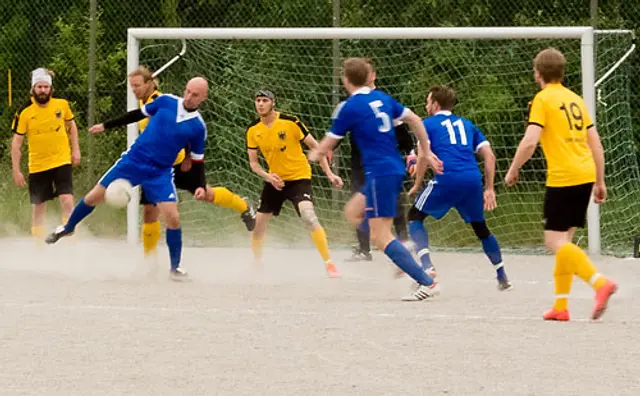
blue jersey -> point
(370, 115)
(455, 140)
(170, 129)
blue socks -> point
(492, 250)
(81, 211)
(174, 242)
(420, 237)
(404, 260)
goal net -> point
(494, 82)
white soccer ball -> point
(118, 193)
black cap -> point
(265, 93)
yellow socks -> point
(570, 260)
(37, 232)
(583, 267)
(150, 236)
(226, 199)
(319, 238)
(563, 276)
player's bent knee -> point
(309, 218)
(415, 214)
(481, 230)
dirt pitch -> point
(92, 317)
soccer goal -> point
(491, 69)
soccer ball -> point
(118, 193)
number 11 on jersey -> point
(452, 133)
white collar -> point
(443, 112)
(361, 90)
(182, 114)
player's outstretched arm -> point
(425, 157)
(327, 144)
(125, 119)
(593, 140)
(489, 159)
(312, 143)
(525, 150)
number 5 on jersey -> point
(384, 117)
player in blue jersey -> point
(456, 141)
(369, 115)
(175, 123)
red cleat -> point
(552, 314)
(602, 298)
(332, 271)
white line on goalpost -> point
(585, 34)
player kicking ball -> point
(185, 177)
(175, 123)
(456, 141)
(559, 119)
(369, 115)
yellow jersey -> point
(564, 119)
(142, 124)
(281, 146)
(46, 133)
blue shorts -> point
(468, 199)
(157, 183)
(382, 194)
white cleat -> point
(179, 275)
(423, 292)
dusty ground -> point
(92, 317)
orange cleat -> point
(332, 271)
(552, 314)
(602, 298)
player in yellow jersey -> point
(279, 138)
(559, 119)
(145, 88)
(48, 124)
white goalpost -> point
(587, 69)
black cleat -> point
(55, 236)
(249, 216)
(504, 284)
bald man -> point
(175, 123)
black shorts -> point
(46, 185)
(186, 181)
(296, 191)
(566, 207)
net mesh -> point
(493, 79)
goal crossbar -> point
(584, 33)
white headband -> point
(40, 75)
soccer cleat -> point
(332, 271)
(504, 284)
(422, 292)
(249, 215)
(360, 255)
(55, 236)
(560, 316)
(178, 274)
(602, 298)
